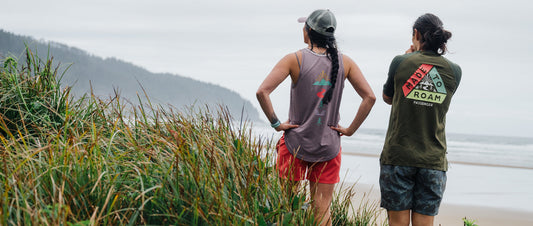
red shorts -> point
(293, 168)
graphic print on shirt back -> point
(321, 80)
(425, 86)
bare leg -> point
(399, 218)
(322, 195)
(422, 220)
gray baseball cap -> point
(322, 21)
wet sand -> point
(451, 214)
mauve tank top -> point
(314, 140)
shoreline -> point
(449, 214)
(454, 162)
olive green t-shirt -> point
(421, 85)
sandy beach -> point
(491, 194)
(451, 214)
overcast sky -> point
(236, 43)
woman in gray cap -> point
(310, 146)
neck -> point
(316, 49)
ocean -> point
(515, 152)
(487, 171)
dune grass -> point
(94, 161)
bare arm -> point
(284, 68)
(361, 86)
(387, 99)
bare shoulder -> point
(349, 65)
(289, 65)
(292, 60)
(347, 60)
(293, 56)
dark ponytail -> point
(433, 36)
(330, 44)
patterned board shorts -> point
(412, 188)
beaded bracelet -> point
(276, 124)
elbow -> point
(260, 94)
(372, 99)
(387, 99)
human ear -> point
(416, 34)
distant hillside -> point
(107, 75)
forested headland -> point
(87, 73)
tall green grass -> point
(32, 104)
(94, 161)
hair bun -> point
(434, 36)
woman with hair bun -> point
(420, 86)
(310, 147)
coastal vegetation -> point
(105, 77)
(469, 222)
(112, 161)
